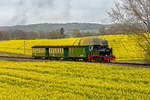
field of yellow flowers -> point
(72, 81)
(125, 47)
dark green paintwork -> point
(86, 51)
(65, 52)
(47, 52)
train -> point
(96, 52)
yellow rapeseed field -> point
(72, 81)
(17, 46)
(125, 47)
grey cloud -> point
(42, 3)
(20, 14)
(23, 9)
(47, 11)
(66, 12)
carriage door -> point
(65, 52)
(47, 52)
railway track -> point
(16, 57)
(131, 64)
(25, 58)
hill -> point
(91, 27)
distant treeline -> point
(28, 35)
(16, 34)
(31, 35)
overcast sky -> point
(18, 12)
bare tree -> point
(134, 15)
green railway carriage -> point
(60, 51)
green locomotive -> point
(88, 53)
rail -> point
(23, 58)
